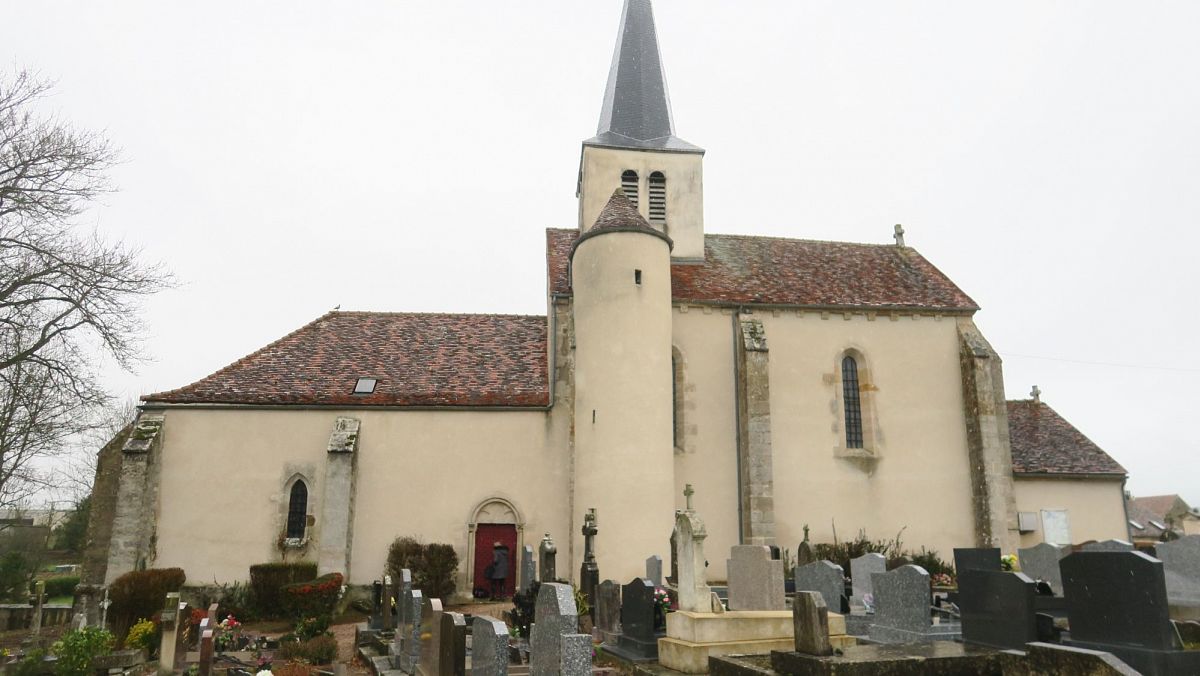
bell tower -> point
(635, 147)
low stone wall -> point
(20, 615)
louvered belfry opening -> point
(658, 198)
(629, 183)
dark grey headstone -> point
(1117, 598)
(805, 555)
(1040, 562)
(489, 647)
(997, 608)
(976, 558)
(825, 577)
(1181, 565)
(1108, 546)
(452, 647)
(389, 596)
(410, 631)
(528, 569)
(608, 609)
(638, 641)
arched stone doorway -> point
(493, 520)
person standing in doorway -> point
(497, 573)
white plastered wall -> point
(1095, 508)
(419, 473)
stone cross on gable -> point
(899, 235)
(688, 493)
(1036, 394)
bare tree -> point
(65, 298)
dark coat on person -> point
(499, 563)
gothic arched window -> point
(629, 183)
(297, 515)
(853, 403)
(658, 198)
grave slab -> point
(755, 579)
(825, 577)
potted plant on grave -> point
(662, 606)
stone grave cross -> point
(546, 554)
(589, 572)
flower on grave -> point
(941, 580)
(662, 598)
(230, 623)
(264, 672)
(1008, 562)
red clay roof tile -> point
(1044, 443)
(419, 360)
(774, 271)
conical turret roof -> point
(619, 215)
(637, 108)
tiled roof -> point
(1145, 518)
(419, 360)
(746, 270)
(1044, 443)
(1158, 505)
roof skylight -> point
(365, 385)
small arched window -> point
(297, 516)
(853, 403)
(629, 183)
(658, 198)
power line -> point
(1178, 369)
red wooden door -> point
(486, 536)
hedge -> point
(432, 566)
(319, 650)
(267, 581)
(61, 586)
(315, 598)
(140, 594)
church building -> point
(840, 386)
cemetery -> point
(1095, 608)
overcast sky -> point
(283, 158)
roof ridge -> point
(387, 313)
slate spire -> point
(637, 108)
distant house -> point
(1155, 518)
(1067, 489)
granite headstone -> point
(825, 577)
(638, 641)
(755, 579)
(861, 570)
(489, 647)
(976, 558)
(1181, 567)
(608, 610)
(452, 645)
(1107, 546)
(575, 655)
(528, 569)
(654, 568)
(997, 608)
(410, 630)
(1040, 562)
(902, 605)
(555, 615)
(430, 638)
(810, 623)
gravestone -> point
(528, 569)
(546, 554)
(976, 558)
(376, 621)
(755, 579)
(452, 645)
(810, 623)
(825, 577)
(430, 638)
(693, 590)
(1117, 602)
(638, 641)
(805, 554)
(169, 625)
(1040, 562)
(555, 615)
(902, 605)
(410, 630)
(212, 615)
(1107, 546)
(206, 652)
(997, 608)
(575, 655)
(589, 571)
(672, 544)
(489, 645)
(1181, 567)
(654, 567)
(39, 602)
(608, 610)
(861, 570)
(389, 596)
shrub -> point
(932, 563)
(141, 635)
(267, 581)
(311, 627)
(315, 598)
(76, 650)
(404, 553)
(291, 668)
(33, 665)
(61, 586)
(437, 578)
(141, 593)
(318, 650)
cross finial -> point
(1036, 393)
(899, 235)
(688, 493)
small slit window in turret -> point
(365, 385)
(637, 277)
